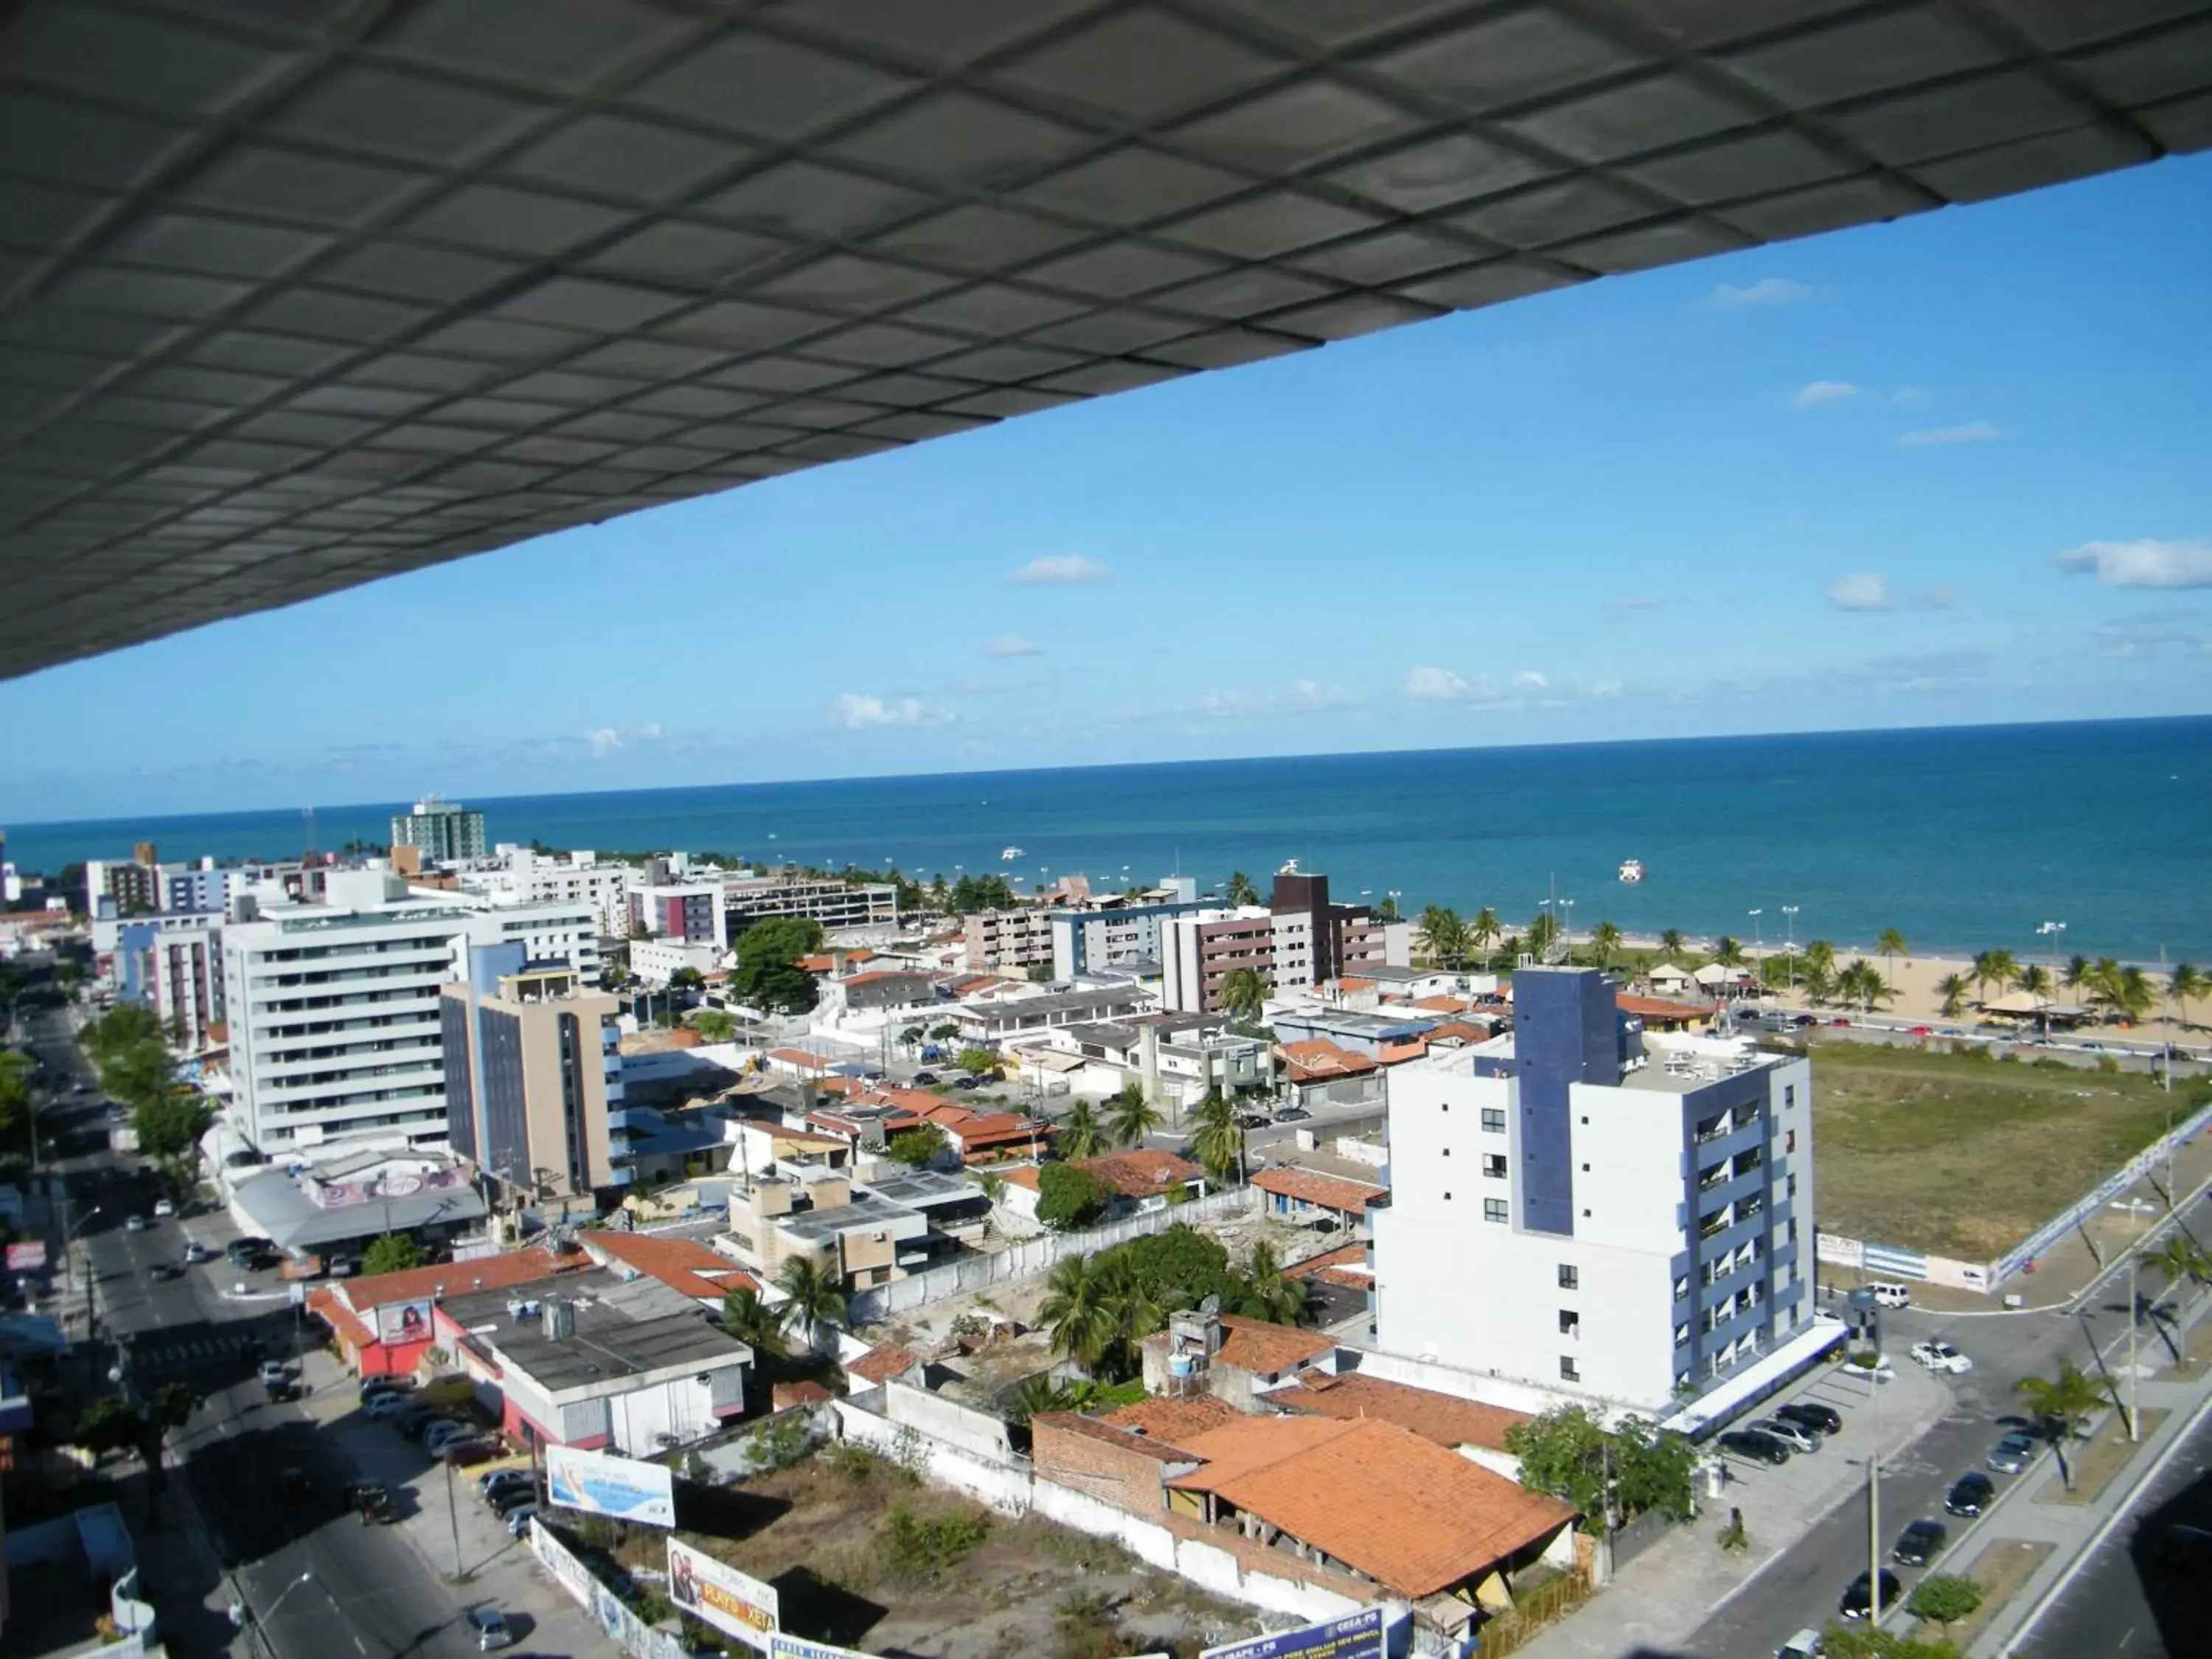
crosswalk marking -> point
(191, 1350)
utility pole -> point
(454, 1516)
(2134, 1322)
(1874, 1489)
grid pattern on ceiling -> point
(296, 294)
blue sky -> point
(1948, 470)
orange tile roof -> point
(1656, 1008)
(1113, 1434)
(1173, 1420)
(874, 974)
(1330, 1192)
(1442, 1005)
(681, 1264)
(802, 1058)
(1027, 1176)
(916, 1101)
(1413, 1517)
(1350, 1255)
(1265, 1349)
(341, 1319)
(483, 1273)
(881, 1365)
(1317, 1057)
(1141, 1172)
(1353, 982)
(1444, 1419)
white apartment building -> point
(1019, 938)
(445, 831)
(537, 878)
(171, 964)
(750, 895)
(1585, 1209)
(334, 1007)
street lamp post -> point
(1758, 943)
(2051, 931)
(1790, 943)
(243, 1617)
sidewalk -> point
(1661, 1598)
(500, 1569)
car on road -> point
(2090, 1046)
(163, 1207)
(1794, 1436)
(2181, 1547)
(491, 1628)
(1800, 1021)
(1921, 1542)
(472, 1450)
(1854, 1604)
(165, 1270)
(385, 1404)
(1805, 1644)
(1759, 1447)
(136, 1224)
(1888, 1293)
(505, 1500)
(371, 1500)
(272, 1370)
(1811, 1415)
(1292, 1115)
(1920, 1030)
(519, 1518)
(292, 1484)
(923, 1079)
(2013, 1453)
(1941, 1356)
(1970, 1494)
(383, 1384)
(196, 1253)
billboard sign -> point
(568, 1572)
(401, 1322)
(1355, 1636)
(781, 1646)
(26, 1256)
(618, 1486)
(730, 1600)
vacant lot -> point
(863, 1554)
(1964, 1156)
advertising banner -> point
(28, 1256)
(1838, 1251)
(781, 1646)
(730, 1600)
(618, 1486)
(1355, 1636)
(400, 1322)
(568, 1572)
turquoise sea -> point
(1964, 838)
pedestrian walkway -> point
(1662, 1598)
(445, 1523)
(186, 1353)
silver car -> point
(1794, 1436)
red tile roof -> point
(1413, 1517)
(1445, 1418)
(1111, 1434)
(324, 1300)
(1141, 1172)
(874, 974)
(483, 1273)
(1330, 1192)
(1173, 1420)
(881, 1365)
(1315, 1058)
(681, 1264)
(804, 1059)
(1331, 1263)
(1263, 1349)
(1656, 1008)
(1442, 1005)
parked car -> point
(1759, 1447)
(416, 1418)
(1854, 1604)
(1805, 1644)
(272, 1370)
(385, 1404)
(439, 1436)
(370, 1499)
(472, 1450)
(1941, 1357)
(163, 1207)
(196, 1252)
(1921, 1542)
(1811, 1415)
(385, 1384)
(136, 1224)
(2181, 1547)
(519, 1518)
(1839, 1021)
(2013, 1453)
(1292, 1115)
(500, 1486)
(507, 1500)
(282, 1390)
(1970, 1494)
(1890, 1294)
(923, 1079)
(1802, 1020)
(1794, 1436)
(491, 1628)
(164, 1270)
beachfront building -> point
(1584, 1208)
(751, 895)
(335, 1009)
(533, 1077)
(1296, 942)
(1117, 935)
(1013, 940)
(445, 831)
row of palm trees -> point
(2121, 989)
(1128, 1117)
(1099, 1308)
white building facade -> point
(1577, 1208)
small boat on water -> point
(1010, 854)
(1631, 871)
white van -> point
(1805, 1644)
(1892, 1296)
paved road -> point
(1803, 1586)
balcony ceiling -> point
(297, 294)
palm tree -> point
(1033, 1396)
(1240, 890)
(2186, 983)
(754, 1323)
(1543, 934)
(1243, 993)
(1081, 1134)
(2034, 979)
(814, 1297)
(1267, 1293)
(1951, 987)
(1889, 947)
(2180, 1259)
(2126, 991)
(1728, 952)
(1075, 1310)
(1604, 939)
(1819, 984)
(2062, 1402)
(1996, 966)
(1132, 1312)
(1443, 935)
(1820, 958)
(1484, 933)
(2080, 976)
(1217, 1140)
(1670, 943)
(1130, 1117)
(1862, 982)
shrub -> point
(1069, 1197)
(917, 1547)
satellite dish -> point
(1211, 1305)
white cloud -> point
(1062, 568)
(857, 712)
(1529, 679)
(605, 740)
(2142, 564)
(1862, 591)
(1767, 291)
(1912, 396)
(1012, 645)
(1814, 393)
(1303, 697)
(1973, 432)
(1427, 684)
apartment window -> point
(1570, 1278)
(1447, 1198)
(1447, 1151)
(1568, 1370)
(1493, 1209)
(1790, 1140)
(1570, 1323)
(1788, 1095)
(1682, 1288)
(1493, 1165)
(1493, 1120)
(1793, 1186)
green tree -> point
(1442, 936)
(2187, 983)
(2034, 979)
(1729, 952)
(173, 1405)
(1240, 890)
(136, 1072)
(2179, 1260)
(1862, 983)
(1270, 1294)
(1890, 946)
(754, 1323)
(1069, 1196)
(394, 1252)
(1865, 1640)
(14, 1095)
(1484, 933)
(120, 1027)
(918, 1147)
(983, 1062)
(1993, 967)
(1080, 1134)
(2060, 1402)
(1243, 993)
(1076, 1309)
(171, 1126)
(768, 974)
(686, 978)
(109, 1423)
(1543, 934)
(1951, 987)
(1130, 1117)
(1670, 943)
(715, 1024)
(1944, 1598)
(1605, 943)
(1563, 1452)
(1134, 1310)
(813, 1297)
(944, 1032)
(1217, 1139)
(1387, 910)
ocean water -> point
(1963, 838)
